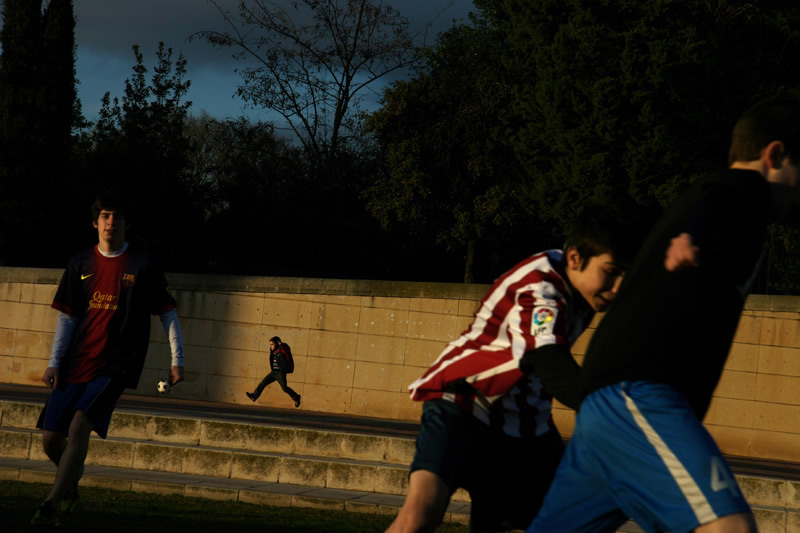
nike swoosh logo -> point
(86, 276)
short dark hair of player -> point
(109, 201)
(597, 230)
(773, 119)
(275, 339)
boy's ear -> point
(773, 155)
(574, 259)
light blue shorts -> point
(639, 451)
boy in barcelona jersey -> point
(105, 299)
(486, 420)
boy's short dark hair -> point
(109, 201)
(599, 229)
(773, 119)
(275, 339)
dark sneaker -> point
(70, 500)
(297, 401)
(250, 396)
(46, 515)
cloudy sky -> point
(107, 29)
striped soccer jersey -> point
(530, 306)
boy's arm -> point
(559, 372)
(65, 329)
(172, 328)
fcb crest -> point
(128, 280)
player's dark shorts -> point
(507, 477)
(639, 451)
(97, 399)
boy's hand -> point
(175, 375)
(681, 253)
(50, 377)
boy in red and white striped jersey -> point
(486, 422)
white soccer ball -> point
(163, 386)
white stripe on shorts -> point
(697, 500)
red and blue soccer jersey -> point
(113, 298)
(530, 306)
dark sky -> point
(106, 30)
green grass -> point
(123, 511)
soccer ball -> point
(163, 386)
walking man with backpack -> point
(280, 363)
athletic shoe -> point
(249, 395)
(46, 515)
(297, 402)
(70, 500)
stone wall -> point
(358, 344)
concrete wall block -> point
(793, 522)
(777, 332)
(434, 305)
(773, 388)
(382, 404)
(9, 311)
(332, 317)
(195, 304)
(391, 480)
(383, 322)
(271, 439)
(236, 336)
(196, 331)
(743, 357)
(228, 389)
(16, 444)
(37, 293)
(20, 414)
(733, 441)
(364, 447)
(731, 412)
(306, 472)
(34, 344)
(280, 311)
(204, 462)
(131, 425)
(263, 468)
(37, 476)
(776, 445)
(108, 483)
(778, 360)
(351, 476)
(770, 520)
(107, 452)
(377, 349)
(737, 385)
(265, 498)
(777, 417)
(37, 449)
(211, 493)
(398, 304)
(422, 353)
(158, 457)
(400, 451)
(378, 376)
(792, 496)
(10, 292)
(7, 342)
(158, 487)
(468, 308)
(748, 330)
(6, 368)
(434, 326)
(762, 491)
(324, 504)
(224, 434)
(36, 317)
(27, 370)
(242, 307)
(236, 363)
(332, 344)
(325, 371)
(318, 443)
(176, 430)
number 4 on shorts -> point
(721, 478)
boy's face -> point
(597, 281)
(110, 230)
(271, 346)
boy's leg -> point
(269, 378)
(54, 443)
(281, 379)
(424, 506)
(71, 461)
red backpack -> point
(287, 353)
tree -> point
(39, 110)
(139, 146)
(313, 75)
(628, 101)
(449, 173)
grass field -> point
(122, 512)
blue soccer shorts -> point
(97, 399)
(639, 451)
